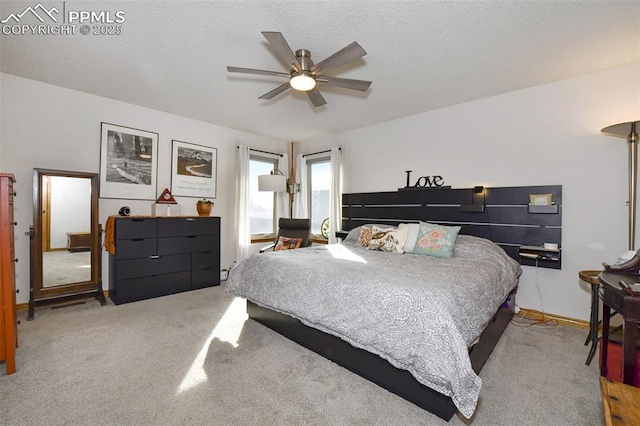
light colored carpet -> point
(64, 267)
(194, 359)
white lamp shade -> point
(273, 183)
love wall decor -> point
(424, 182)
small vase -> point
(204, 209)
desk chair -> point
(292, 228)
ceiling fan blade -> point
(347, 83)
(347, 54)
(277, 41)
(254, 71)
(275, 92)
(316, 98)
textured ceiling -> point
(421, 55)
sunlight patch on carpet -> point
(227, 330)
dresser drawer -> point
(206, 259)
(147, 287)
(129, 228)
(190, 244)
(208, 277)
(149, 266)
(137, 247)
(179, 226)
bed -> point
(373, 301)
(424, 338)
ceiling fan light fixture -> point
(302, 74)
(302, 82)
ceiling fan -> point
(303, 75)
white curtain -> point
(335, 203)
(282, 198)
(300, 205)
(242, 204)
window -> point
(319, 191)
(261, 204)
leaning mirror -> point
(65, 238)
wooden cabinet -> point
(78, 241)
(8, 315)
(160, 256)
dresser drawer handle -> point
(154, 257)
(15, 193)
(137, 239)
(15, 260)
(15, 223)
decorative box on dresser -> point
(8, 317)
(158, 256)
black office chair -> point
(292, 228)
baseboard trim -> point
(537, 315)
(25, 306)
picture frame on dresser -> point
(128, 163)
(193, 170)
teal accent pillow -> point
(436, 240)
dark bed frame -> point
(515, 224)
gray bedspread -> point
(420, 313)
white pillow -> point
(388, 239)
(412, 235)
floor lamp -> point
(629, 131)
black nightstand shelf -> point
(540, 257)
(342, 234)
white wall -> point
(542, 135)
(47, 126)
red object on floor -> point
(614, 363)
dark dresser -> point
(157, 256)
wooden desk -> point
(629, 308)
(591, 277)
(620, 403)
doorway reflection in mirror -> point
(66, 243)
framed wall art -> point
(128, 163)
(193, 170)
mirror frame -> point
(92, 288)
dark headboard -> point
(507, 220)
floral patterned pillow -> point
(365, 236)
(388, 239)
(286, 243)
(436, 240)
